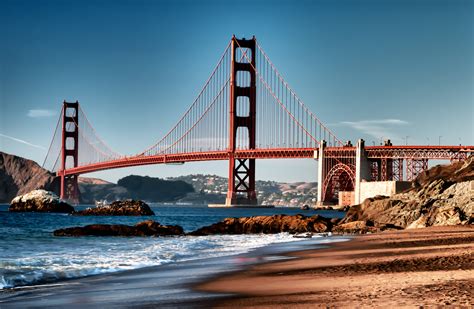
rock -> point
(119, 208)
(267, 225)
(443, 195)
(456, 172)
(39, 201)
(356, 227)
(363, 227)
(145, 228)
(322, 208)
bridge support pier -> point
(241, 189)
(321, 172)
(69, 149)
(363, 172)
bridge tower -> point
(241, 189)
(69, 149)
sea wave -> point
(92, 256)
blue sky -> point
(368, 69)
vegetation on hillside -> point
(155, 189)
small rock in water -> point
(145, 228)
(39, 201)
(119, 208)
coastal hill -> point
(213, 189)
(19, 176)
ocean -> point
(31, 255)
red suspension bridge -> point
(245, 111)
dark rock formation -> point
(363, 227)
(145, 228)
(39, 201)
(267, 225)
(443, 195)
(119, 208)
(19, 176)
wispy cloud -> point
(41, 113)
(21, 141)
(377, 128)
(373, 122)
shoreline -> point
(165, 285)
(409, 268)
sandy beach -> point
(409, 268)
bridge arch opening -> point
(70, 143)
(242, 138)
(243, 79)
(243, 54)
(243, 106)
(341, 177)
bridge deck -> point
(373, 152)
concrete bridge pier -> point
(362, 172)
(321, 172)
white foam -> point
(97, 256)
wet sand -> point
(168, 285)
(410, 268)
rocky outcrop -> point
(443, 195)
(119, 208)
(19, 176)
(39, 201)
(267, 225)
(145, 228)
(363, 227)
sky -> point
(368, 69)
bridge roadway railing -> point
(277, 153)
(373, 152)
(419, 152)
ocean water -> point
(31, 255)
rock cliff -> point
(442, 195)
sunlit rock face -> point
(39, 201)
(442, 196)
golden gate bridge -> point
(245, 111)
